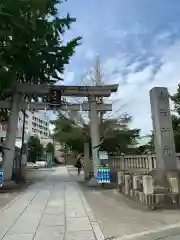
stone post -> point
(11, 136)
(87, 162)
(163, 133)
(150, 162)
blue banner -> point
(103, 175)
(1, 177)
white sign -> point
(103, 155)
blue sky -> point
(139, 45)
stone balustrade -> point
(140, 163)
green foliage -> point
(35, 148)
(176, 118)
(176, 100)
(117, 137)
(31, 43)
(176, 128)
(147, 148)
(50, 148)
(120, 141)
(4, 113)
(71, 135)
(32, 49)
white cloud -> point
(90, 54)
(121, 33)
(113, 67)
(163, 36)
(134, 91)
(69, 78)
(141, 76)
(116, 34)
(133, 67)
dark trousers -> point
(79, 170)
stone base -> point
(93, 183)
(161, 177)
(161, 190)
(8, 185)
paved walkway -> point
(121, 218)
(54, 209)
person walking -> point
(79, 165)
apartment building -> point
(36, 123)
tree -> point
(117, 137)
(32, 47)
(176, 128)
(50, 148)
(115, 133)
(35, 148)
(69, 133)
(176, 118)
(148, 147)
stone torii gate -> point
(18, 103)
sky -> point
(138, 42)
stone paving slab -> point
(19, 237)
(53, 220)
(75, 210)
(50, 233)
(54, 209)
(78, 224)
(83, 235)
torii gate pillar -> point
(11, 136)
(95, 131)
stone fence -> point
(136, 163)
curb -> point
(94, 223)
(10, 203)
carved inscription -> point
(163, 115)
(166, 132)
(167, 151)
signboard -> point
(1, 177)
(103, 175)
(103, 155)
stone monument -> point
(163, 134)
